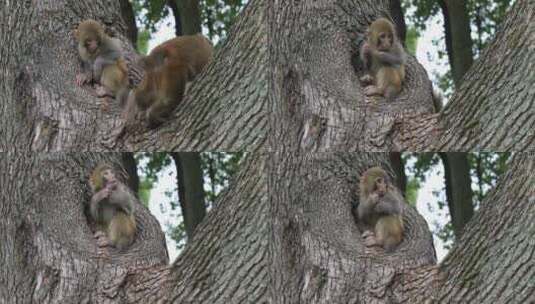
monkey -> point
(111, 207)
(102, 61)
(168, 68)
(383, 56)
(380, 209)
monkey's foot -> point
(102, 239)
(367, 79)
(372, 91)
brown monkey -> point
(112, 207)
(380, 208)
(168, 68)
(102, 61)
(383, 56)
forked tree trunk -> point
(318, 101)
(49, 255)
(43, 110)
(321, 258)
(319, 105)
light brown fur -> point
(383, 56)
(103, 61)
(168, 68)
(111, 207)
(380, 208)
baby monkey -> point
(112, 207)
(383, 56)
(102, 61)
(380, 209)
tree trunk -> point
(321, 258)
(458, 189)
(130, 167)
(130, 19)
(43, 110)
(49, 255)
(318, 100)
(399, 169)
(190, 189)
(190, 16)
(319, 105)
(399, 20)
(491, 110)
(458, 40)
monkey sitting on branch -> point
(111, 207)
(383, 56)
(102, 62)
(380, 209)
(168, 68)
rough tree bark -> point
(43, 110)
(492, 110)
(321, 257)
(48, 253)
(319, 105)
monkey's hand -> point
(102, 194)
(366, 79)
(365, 52)
(373, 198)
(369, 239)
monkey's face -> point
(109, 177)
(91, 44)
(380, 186)
(385, 40)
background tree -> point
(484, 171)
(215, 16)
(461, 20)
(200, 179)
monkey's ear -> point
(76, 33)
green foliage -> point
(144, 191)
(216, 15)
(411, 192)
(143, 42)
(218, 168)
(149, 12)
(411, 40)
(486, 168)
